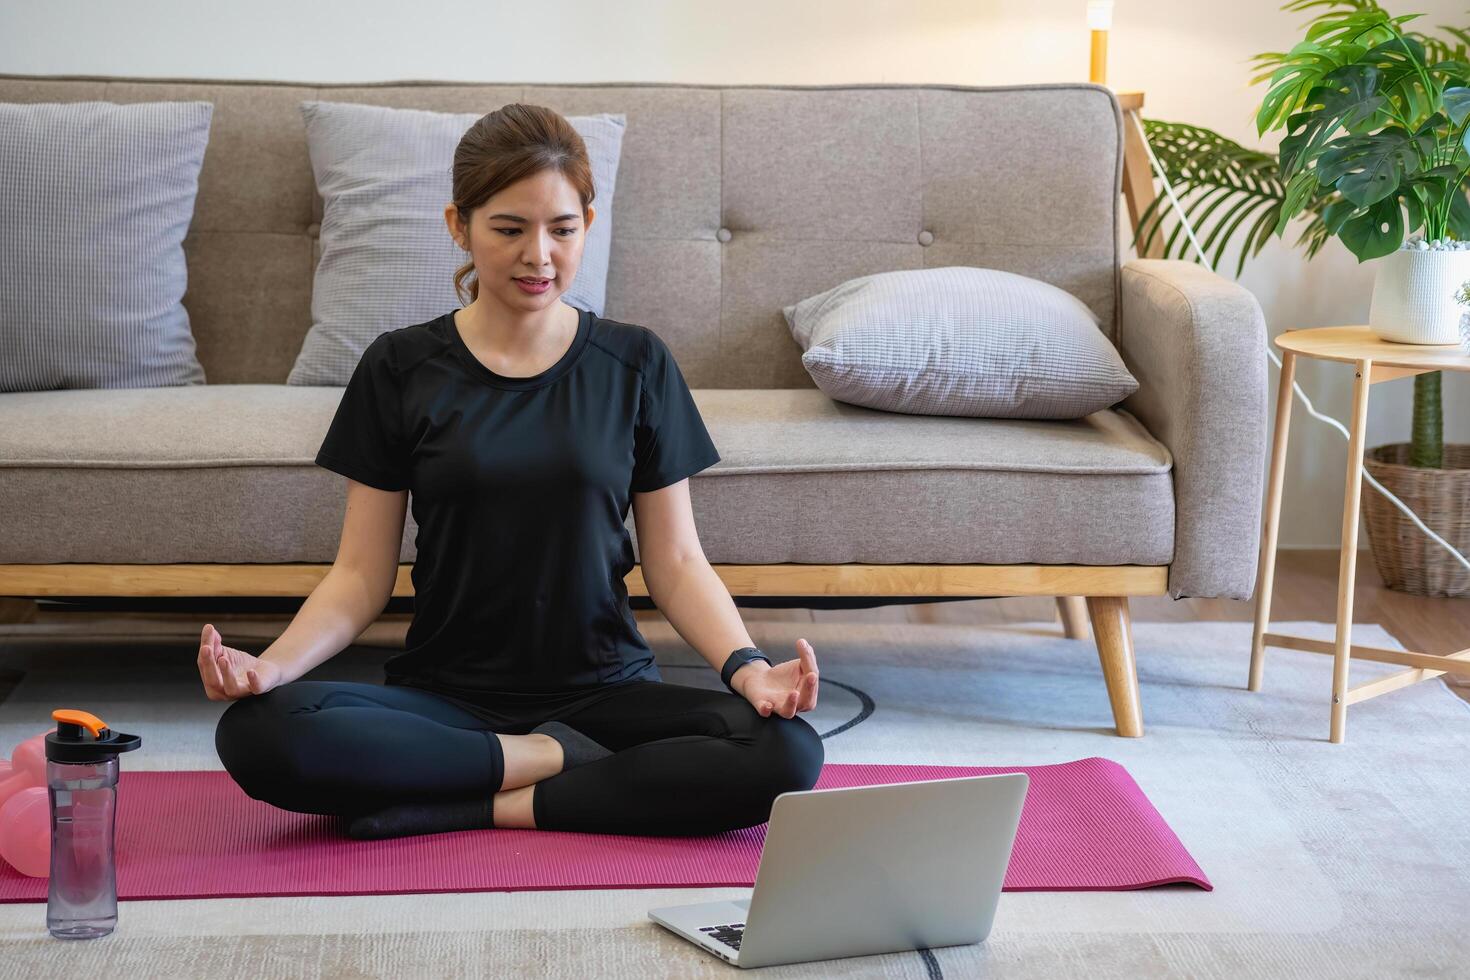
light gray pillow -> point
(387, 258)
(959, 340)
(95, 201)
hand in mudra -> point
(784, 688)
(229, 674)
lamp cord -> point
(1296, 387)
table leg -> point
(1348, 562)
(1266, 570)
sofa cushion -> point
(95, 201)
(959, 340)
(225, 473)
(387, 258)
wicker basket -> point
(1407, 559)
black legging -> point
(686, 760)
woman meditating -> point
(525, 695)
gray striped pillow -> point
(959, 340)
(387, 258)
(95, 201)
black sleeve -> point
(670, 441)
(365, 440)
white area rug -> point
(1328, 860)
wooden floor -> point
(1306, 589)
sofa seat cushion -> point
(805, 478)
(226, 473)
(205, 473)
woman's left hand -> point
(784, 688)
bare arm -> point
(356, 588)
(690, 594)
(693, 598)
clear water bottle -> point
(81, 777)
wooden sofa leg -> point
(1113, 627)
(1073, 610)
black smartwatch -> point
(739, 659)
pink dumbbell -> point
(25, 809)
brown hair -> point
(504, 146)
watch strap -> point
(737, 660)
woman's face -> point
(531, 229)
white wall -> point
(1190, 57)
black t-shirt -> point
(520, 487)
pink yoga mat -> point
(1086, 826)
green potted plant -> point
(1403, 114)
(1376, 119)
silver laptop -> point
(867, 869)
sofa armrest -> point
(1196, 343)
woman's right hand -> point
(230, 674)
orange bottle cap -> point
(85, 719)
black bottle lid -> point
(81, 737)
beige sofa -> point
(731, 202)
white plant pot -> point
(1414, 295)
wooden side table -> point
(1375, 360)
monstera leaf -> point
(1348, 98)
(1403, 151)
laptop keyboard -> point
(729, 935)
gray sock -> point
(434, 817)
(577, 749)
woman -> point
(525, 696)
